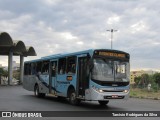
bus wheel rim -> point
(36, 92)
(73, 96)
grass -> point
(144, 93)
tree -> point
(142, 81)
(145, 79)
(151, 79)
(137, 80)
(3, 72)
(16, 74)
(156, 78)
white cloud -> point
(56, 26)
(50, 2)
(68, 36)
(17, 24)
(80, 42)
(139, 27)
(113, 19)
(156, 43)
(65, 21)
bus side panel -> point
(29, 82)
(43, 83)
(62, 84)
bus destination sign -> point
(110, 54)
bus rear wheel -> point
(60, 98)
(103, 103)
(72, 98)
(37, 93)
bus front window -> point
(121, 71)
(110, 70)
(103, 70)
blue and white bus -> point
(92, 75)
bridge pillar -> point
(21, 68)
(10, 71)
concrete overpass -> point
(10, 48)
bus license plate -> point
(114, 96)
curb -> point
(11, 85)
(140, 97)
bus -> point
(91, 75)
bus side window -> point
(54, 69)
(33, 68)
(38, 68)
(62, 66)
(71, 65)
(25, 69)
(45, 67)
(29, 68)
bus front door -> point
(83, 75)
(53, 77)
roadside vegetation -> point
(3, 72)
(16, 73)
(144, 93)
(146, 86)
(4, 76)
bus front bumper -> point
(96, 95)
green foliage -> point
(151, 79)
(3, 72)
(137, 80)
(156, 77)
(155, 87)
(145, 78)
(144, 93)
(16, 74)
(143, 81)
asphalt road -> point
(15, 98)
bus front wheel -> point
(72, 98)
(103, 102)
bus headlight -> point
(100, 91)
(125, 91)
(97, 89)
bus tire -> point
(37, 93)
(42, 95)
(103, 103)
(72, 98)
(60, 98)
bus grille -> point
(112, 90)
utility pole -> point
(112, 30)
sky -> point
(58, 26)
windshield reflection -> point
(109, 70)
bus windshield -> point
(110, 70)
